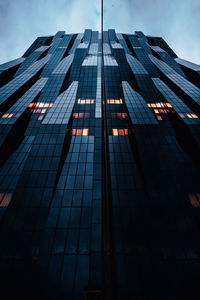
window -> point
(114, 101)
(81, 115)
(120, 132)
(119, 115)
(85, 101)
(80, 132)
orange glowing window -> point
(159, 105)
(189, 116)
(162, 111)
(85, 101)
(5, 116)
(114, 101)
(194, 116)
(156, 111)
(115, 131)
(85, 131)
(194, 200)
(10, 116)
(80, 132)
(80, 115)
(40, 118)
(43, 111)
(159, 118)
(168, 105)
(40, 104)
(120, 132)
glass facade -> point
(99, 170)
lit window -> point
(189, 116)
(115, 131)
(85, 131)
(159, 118)
(182, 116)
(5, 116)
(168, 105)
(80, 132)
(114, 101)
(119, 115)
(120, 132)
(40, 104)
(80, 115)
(40, 118)
(159, 105)
(156, 111)
(194, 116)
(37, 111)
(85, 101)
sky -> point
(177, 21)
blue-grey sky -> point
(177, 21)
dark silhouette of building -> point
(99, 170)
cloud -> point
(176, 21)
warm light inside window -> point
(194, 116)
(40, 104)
(168, 105)
(119, 115)
(190, 116)
(40, 118)
(120, 132)
(85, 131)
(114, 101)
(159, 105)
(80, 115)
(39, 111)
(159, 118)
(80, 132)
(85, 101)
(7, 116)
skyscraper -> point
(99, 170)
